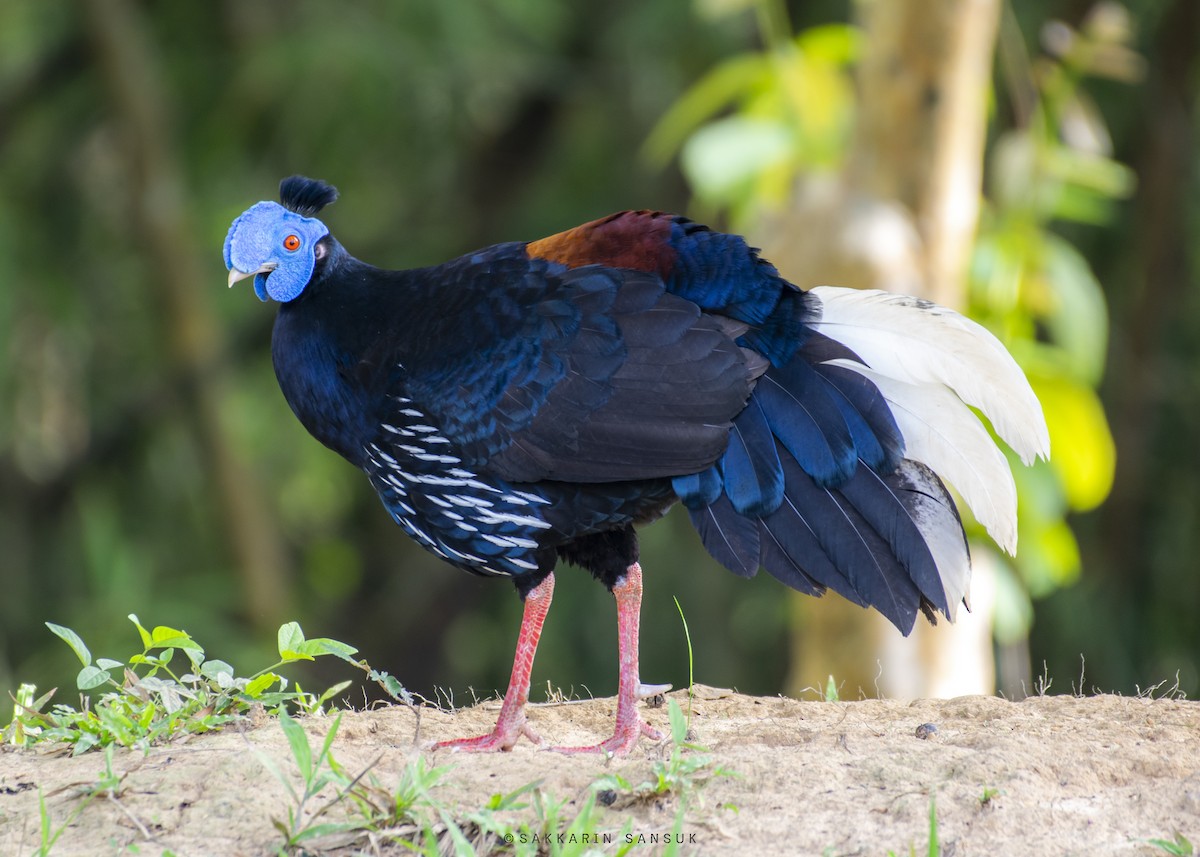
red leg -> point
(629, 726)
(511, 725)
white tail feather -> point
(943, 434)
(919, 342)
(928, 361)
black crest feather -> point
(306, 196)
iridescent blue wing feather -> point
(592, 374)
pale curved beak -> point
(235, 275)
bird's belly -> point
(582, 509)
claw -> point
(500, 739)
(621, 743)
(645, 691)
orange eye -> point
(291, 243)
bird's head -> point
(278, 244)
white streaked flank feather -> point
(921, 343)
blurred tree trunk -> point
(158, 202)
(901, 217)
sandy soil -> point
(1063, 775)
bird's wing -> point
(591, 374)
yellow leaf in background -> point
(1082, 449)
(1056, 561)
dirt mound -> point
(1050, 775)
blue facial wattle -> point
(258, 238)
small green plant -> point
(108, 783)
(167, 688)
(935, 848)
(679, 774)
(552, 831)
(831, 691)
(403, 806)
(317, 772)
(691, 662)
(18, 733)
(989, 794)
(420, 821)
(50, 833)
(1179, 846)
(411, 814)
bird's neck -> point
(334, 346)
(357, 331)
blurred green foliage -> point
(1029, 283)
(781, 111)
(447, 127)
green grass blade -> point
(935, 849)
(298, 741)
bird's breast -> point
(320, 383)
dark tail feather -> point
(883, 509)
(753, 474)
(731, 538)
(877, 438)
(807, 421)
(798, 548)
(699, 490)
(829, 418)
(815, 488)
(852, 545)
(776, 558)
(864, 541)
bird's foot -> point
(629, 728)
(502, 738)
(622, 741)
